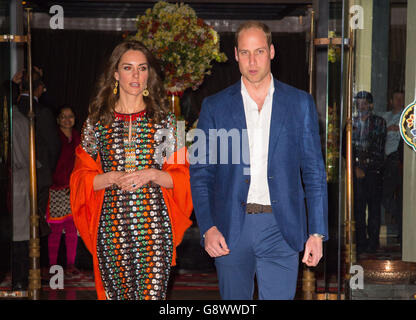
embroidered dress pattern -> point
(134, 241)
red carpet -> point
(85, 281)
(195, 281)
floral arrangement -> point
(334, 51)
(332, 156)
(184, 44)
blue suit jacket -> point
(295, 167)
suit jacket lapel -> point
(238, 118)
(237, 107)
(279, 115)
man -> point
(47, 154)
(21, 201)
(392, 118)
(392, 171)
(368, 142)
(48, 145)
(252, 216)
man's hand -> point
(215, 243)
(359, 173)
(17, 78)
(313, 251)
(38, 70)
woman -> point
(59, 214)
(131, 204)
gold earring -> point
(145, 92)
(115, 87)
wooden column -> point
(34, 241)
(350, 252)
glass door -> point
(364, 158)
(336, 73)
(5, 141)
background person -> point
(368, 143)
(47, 153)
(393, 166)
(59, 214)
(20, 201)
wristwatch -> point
(318, 235)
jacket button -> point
(246, 181)
(271, 177)
(243, 204)
(274, 201)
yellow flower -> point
(214, 35)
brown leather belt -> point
(253, 208)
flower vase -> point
(175, 105)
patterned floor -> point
(186, 285)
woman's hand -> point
(105, 180)
(131, 181)
(134, 180)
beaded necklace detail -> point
(127, 116)
(129, 138)
(130, 152)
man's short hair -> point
(365, 95)
(254, 24)
(36, 81)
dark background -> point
(72, 60)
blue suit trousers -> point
(261, 251)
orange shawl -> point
(86, 203)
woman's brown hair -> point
(102, 106)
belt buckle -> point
(254, 208)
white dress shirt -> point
(258, 129)
(27, 95)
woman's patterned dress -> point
(134, 242)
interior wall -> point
(287, 24)
(363, 48)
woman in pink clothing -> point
(59, 214)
